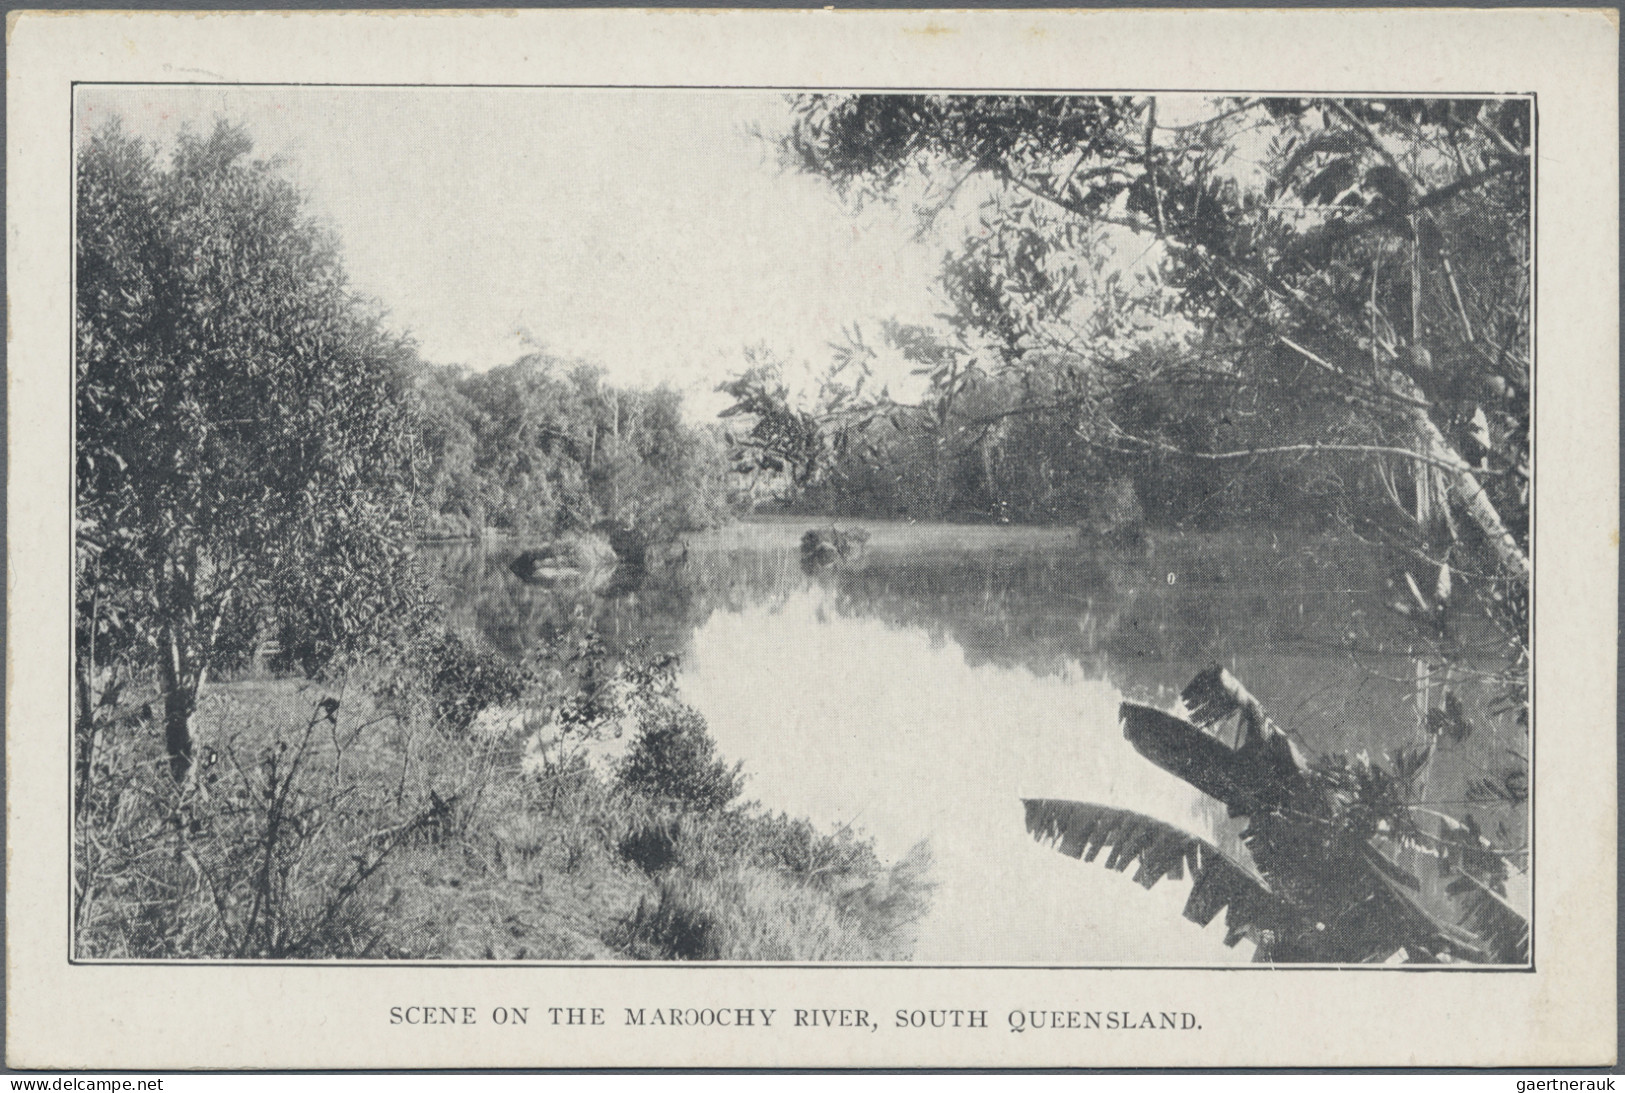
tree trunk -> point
(1464, 485)
(178, 709)
(180, 702)
(989, 483)
(1422, 480)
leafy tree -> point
(536, 437)
(451, 497)
(782, 439)
(244, 462)
(655, 473)
(544, 446)
(1369, 283)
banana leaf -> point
(1421, 925)
(1217, 881)
(1488, 915)
(1185, 751)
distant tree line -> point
(1033, 447)
(544, 446)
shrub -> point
(673, 758)
(746, 885)
(465, 678)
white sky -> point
(647, 231)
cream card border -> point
(171, 1016)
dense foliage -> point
(322, 825)
(543, 446)
(464, 679)
(1299, 309)
(1336, 863)
(674, 759)
(256, 452)
(244, 458)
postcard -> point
(812, 538)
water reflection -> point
(849, 719)
(923, 690)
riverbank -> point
(326, 821)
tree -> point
(244, 440)
(1374, 269)
(1340, 868)
(782, 439)
(654, 473)
(536, 438)
(450, 497)
(545, 445)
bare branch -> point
(1313, 448)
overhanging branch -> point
(1314, 448)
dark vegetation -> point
(823, 547)
(1338, 868)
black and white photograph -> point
(547, 524)
(608, 539)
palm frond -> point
(1083, 830)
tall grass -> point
(269, 851)
(749, 885)
(375, 820)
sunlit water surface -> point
(922, 692)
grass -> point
(742, 913)
(380, 831)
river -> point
(921, 692)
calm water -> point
(923, 691)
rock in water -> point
(570, 560)
(824, 547)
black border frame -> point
(1534, 211)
